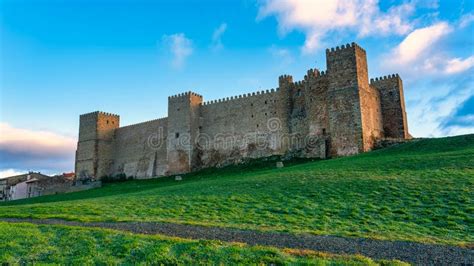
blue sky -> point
(63, 58)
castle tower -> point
(183, 129)
(393, 106)
(94, 148)
(354, 112)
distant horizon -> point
(63, 59)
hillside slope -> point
(420, 191)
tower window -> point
(177, 135)
(257, 125)
(265, 114)
(107, 122)
(266, 102)
(324, 131)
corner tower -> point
(184, 112)
(393, 106)
(94, 148)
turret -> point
(94, 148)
(393, 105)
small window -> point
(107, 122)
(251, 104)
(200, 127)
(298, 93)
(265, 114)
(324, 131)
(177, 135)
(266, 102)
(252, 116)
(179, 109)
(257, 125)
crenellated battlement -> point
(97, 113)
(389, 77)
(300, 83)
(311, 74)
(343, 47)
(240, 97)
(285, 78)
(185, 94)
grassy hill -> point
(419, 191)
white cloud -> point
(393, 21)
(457, 65)
(317, 18)
(418, 43)
(457, 130)
(179, 46)
(466, 20)
(17, 140)
(217, 36)
(431, 105)
(420, 53)
(10, 172)
(35, 150)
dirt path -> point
(411, 252)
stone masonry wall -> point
(393, 105)
(106, 125)
(94, 148)
(238, 127)
(140, 149)
(369, 98)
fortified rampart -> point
(332, 113)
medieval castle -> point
(332, 113)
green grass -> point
(419, 191)
(31, 244)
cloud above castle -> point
(319, 18)
(25, 149)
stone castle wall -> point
(332, 113)
(140, 149)
(238, 127)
